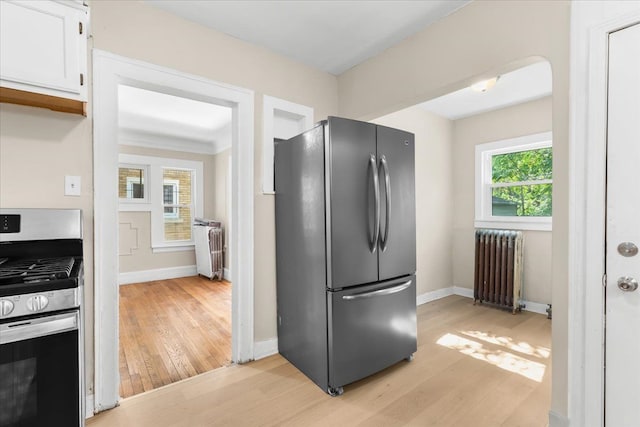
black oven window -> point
(39, 380)
(18, 390)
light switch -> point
(71, 185)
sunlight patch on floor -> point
(499, 358)
(520, 347)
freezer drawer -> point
(370, 328)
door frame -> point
(109, 71)
(591, 23)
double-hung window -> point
(514, 183)
(170, 189)
(131, 183)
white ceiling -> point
(332, 36)
(521, 85)
(159, 120)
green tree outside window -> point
(522, 183)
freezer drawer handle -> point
(387, 185)
(376, 193)
(381, 292)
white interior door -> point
(622, 371)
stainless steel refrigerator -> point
(345, 250)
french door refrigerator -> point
(345, 250)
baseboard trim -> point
(88, 406)
(463, 292)
(557, 420)
(262, 349)
(434, 295)
(157, 274)
(534, 307)
(227, 275)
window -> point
(177, 204)
(514, 183)
(170, 189)
(170, 198)
(131, 183)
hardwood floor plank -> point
(171, 330)
(475, 366)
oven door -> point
(39, 371)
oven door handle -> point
(39, 327)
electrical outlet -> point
(72, 185)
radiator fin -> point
(498, 268)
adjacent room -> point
(175, 288)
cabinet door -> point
(42, 49)
(397, 254)
(353, 257)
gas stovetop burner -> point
(35, 270)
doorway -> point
(110, 71)
(172, 173)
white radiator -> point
(209, 250)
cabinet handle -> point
(81, 79)
(80, 27)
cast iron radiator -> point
(498, 268)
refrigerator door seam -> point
(327, 201)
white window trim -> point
(155, 167)
(270, 106)
(483, 214)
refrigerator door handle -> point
(376, 193)
(387, 291)
(387, 185)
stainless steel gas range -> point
(41, 334)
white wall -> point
(434, 204)
(221, 200)
(524, 119)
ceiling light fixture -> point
(484, 85)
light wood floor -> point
(171, 330)
(475, 366)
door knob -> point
(627, 284)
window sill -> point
(535, 225)
(134, 207)
(181, 248)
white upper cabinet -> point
(43, 48)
